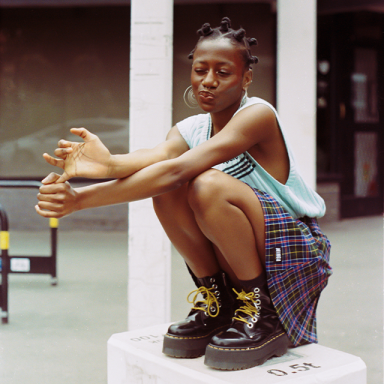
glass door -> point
(360, 129)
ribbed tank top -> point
(295, 195)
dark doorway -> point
(350, 118)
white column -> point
(149, 250)
(296, 80)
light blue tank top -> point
(295, 196)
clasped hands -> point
(90, 159)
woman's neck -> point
(221, 119)
(219, 122)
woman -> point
(227, 192)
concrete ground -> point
(58, 334)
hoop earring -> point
(189, 98)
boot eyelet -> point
(217, 293)
(206, 314)
(212, 280)
(219, 305)
(213, 309)
(249, 325)
(214, 286)
(256, 290)
(257, 302)
(254, 319)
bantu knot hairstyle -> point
(205, 30)
(237, 37)
(225, 24)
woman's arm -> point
(122, 166)
(92, 159)
(60, 199)
(251, 126)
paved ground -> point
(59, 334)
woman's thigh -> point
(211, 190)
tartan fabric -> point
(297, 265)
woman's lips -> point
(206, 96)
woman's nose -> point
(210, 80)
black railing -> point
(18, 263)
(4, 244)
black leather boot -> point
(189, 337)
(254, 336)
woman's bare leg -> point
(215, 222)
(230, 215)
(213, 309)
(178, 221)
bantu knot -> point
(252, 41)
(205, 30)
(225, 24)
(239, 35)
(255, 59)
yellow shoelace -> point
(251, 307)
(208, 302)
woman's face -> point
(218, 75)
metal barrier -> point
(4, 245)
(23, 264)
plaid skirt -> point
(297, 266)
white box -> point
(136, 357)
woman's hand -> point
(90, 158)
(56, 199)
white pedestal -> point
(136, 357)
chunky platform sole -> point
(231, 359)
(186, 346)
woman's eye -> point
(223, 73)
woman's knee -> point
(205, 189)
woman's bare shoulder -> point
(257, 119)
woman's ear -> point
(247, 79)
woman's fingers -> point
(64, 143)
(63, 178)
(55, 178)
(83, 133)
(55, 199)
(63, 152)
(50, 179)
(49, 201)
(49, 213)
(50, 206)
(51, 160)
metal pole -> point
(54, 224)
(150, 108)
(4, 246)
